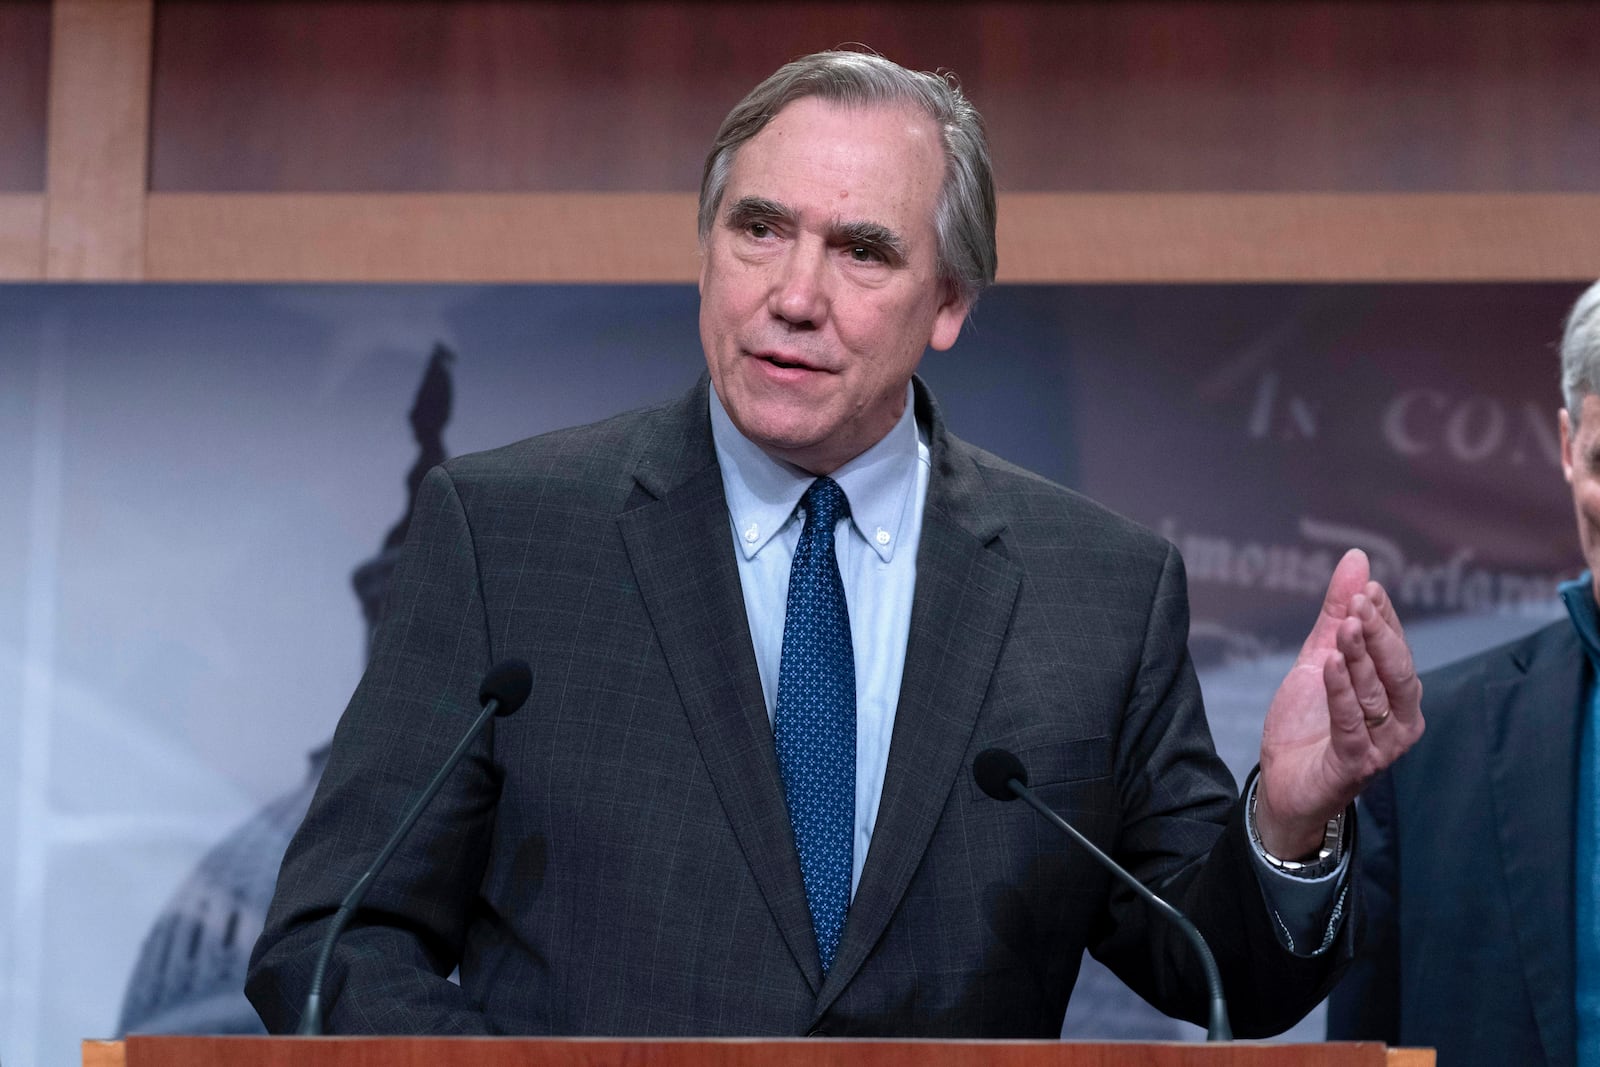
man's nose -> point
(800, 287)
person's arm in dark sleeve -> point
(416, 700)
(1184, 835)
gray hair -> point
(965, 215)
(1580, 352)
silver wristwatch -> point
(1325, 862)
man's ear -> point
(949, 319)
(1566, 449)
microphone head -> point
(994, 768)
(509, 682)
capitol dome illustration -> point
(189, 977)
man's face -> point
(1580, 462)
(819, 288)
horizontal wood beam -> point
(21, 237)
(1044, 237)
(1299, 237)
(405, 237)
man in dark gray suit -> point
(1483, 845)
(771, 625)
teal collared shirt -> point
(1578, 595)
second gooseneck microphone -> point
(1001, 775)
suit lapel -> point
(963, 603)
(1531, 708)
(676, 530)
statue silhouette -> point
(189, 977)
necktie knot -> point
(825, 503)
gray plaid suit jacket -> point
(616, 858)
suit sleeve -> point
(1183, 834)
(1366, 1005)
(415, 701)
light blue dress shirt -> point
(887, 486)
(877, 552)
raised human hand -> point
(1350, 706)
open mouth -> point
(785, 363)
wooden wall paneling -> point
(1299, 96)
(1147, 96)
(98, 139)
(24, 70)
(1144, 141)
(470, 96)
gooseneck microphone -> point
(504, 689)
(1001, 775)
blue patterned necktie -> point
(815, 723)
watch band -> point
(1325, 862)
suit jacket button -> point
(818, 1032)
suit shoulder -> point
(1454, 695)
(1033, 505)
(1466, 676)
(581, 459)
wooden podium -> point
(155, 1051)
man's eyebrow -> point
(873, 235)
(749, 209)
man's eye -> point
(865, 254)
(759, 229)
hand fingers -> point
(1349, 578)
(1363, 673)
(1347, 728)
(1384, 646)
(1381, 600)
